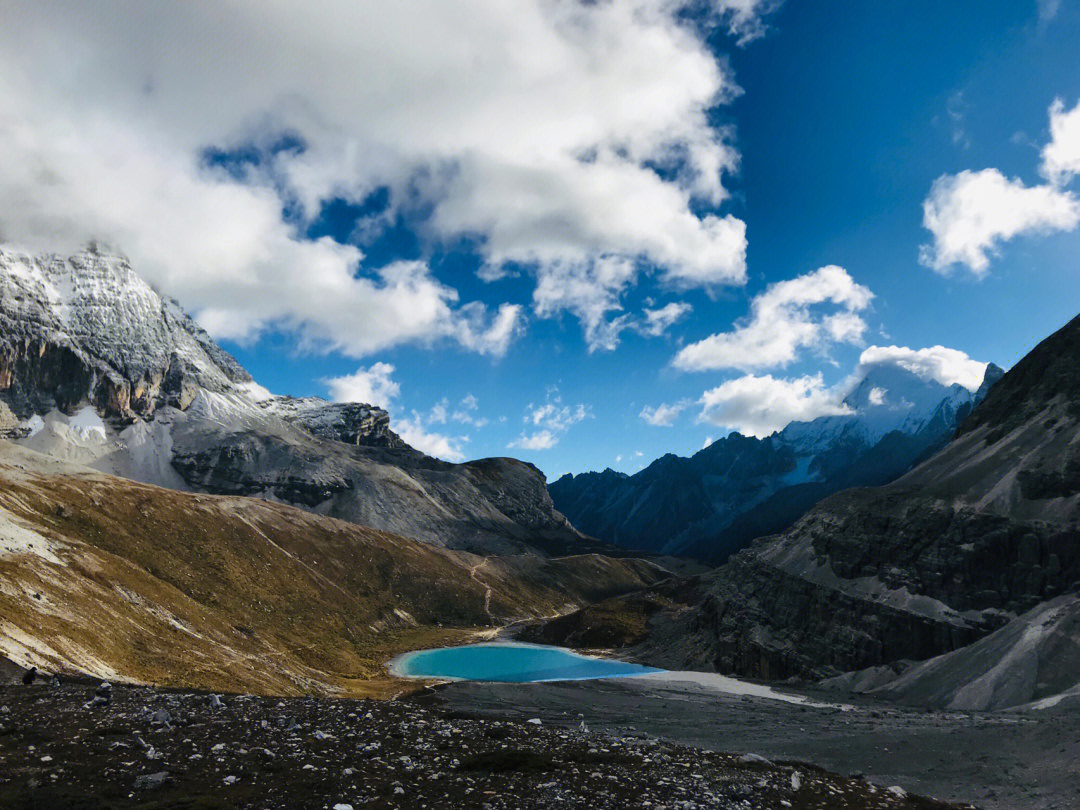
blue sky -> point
(825, 127)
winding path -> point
(487, 588)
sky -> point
(580, 234)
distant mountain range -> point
(715, 502)
(955, 586)
(98, 369)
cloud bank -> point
(541, 130)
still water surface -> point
(511, 662)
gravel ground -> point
(999, 761)
(152, 749)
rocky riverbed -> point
(146, 748)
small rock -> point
(796, 780)
(160, 718)
(104, 691)
(760, 760)
(231, 780)
(215, 702)
(343, 806)
(536, 721)
(151, 781)
(897, 791)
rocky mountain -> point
(98, 369)
(111, 578)
(973, 555)
(715, 502)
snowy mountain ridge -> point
(98, 369)
(739, 488)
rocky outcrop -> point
(1034, 659)
(349, 422)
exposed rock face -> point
(97, 368)
(348, 422)
(87, 330)
(739, 488)
(946, 554)
(1035, 658)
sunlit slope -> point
(123, 580)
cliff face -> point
(87, 329)
(99, 369)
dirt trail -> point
(487, 588)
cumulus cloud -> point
(759, 406)
(946, 366)
(971, 213)
(1061, 157)
(663, 415)
(553, 418)
(541, 440)
(542, 130)
(416, 434)
(657, 321)
(785, 319)
(371, 385)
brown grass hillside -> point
(122, 580)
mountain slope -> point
(982, 532)
(738, 488)
(96, 368)
(122, 580)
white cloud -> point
(413, 431)
(534, 127)
(663, 415)
(877, 396)
(657, 321)
(946, 366)
(541, 440)
(708, 441)
(438, 413)
(1048, 9)
(370, 385)
(464, 412)
(971, 213)
(1061, 157)
(759, 406)
(746, 18)
(553, 417)
(785, 319)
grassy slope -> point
(239, 594)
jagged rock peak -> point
(349, 422)
(86, 329)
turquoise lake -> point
(511, 663)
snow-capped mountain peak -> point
(120, 345)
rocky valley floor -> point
(1009, 760)
(152, 749)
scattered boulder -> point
(151, 781)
